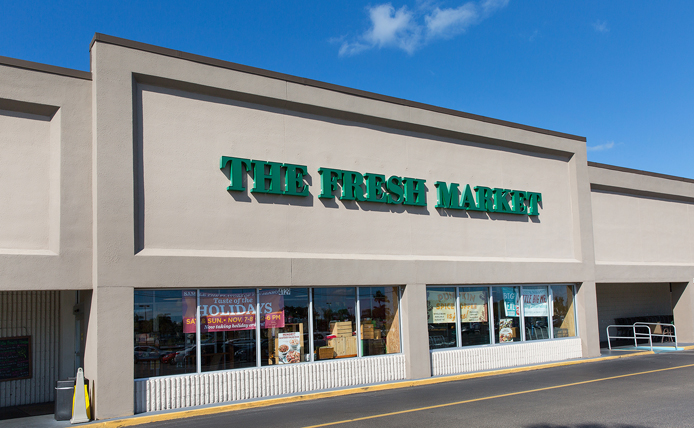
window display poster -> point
(473, 306)
(232, 311)
(535, 302)
(440, 307)
(511, 306)
(289, 348)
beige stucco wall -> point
(25, 141)
(45, 180)
(187, 207)
(639, 229)
(644, 226)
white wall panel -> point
(175, 392)
(35, 314)
(497, 357)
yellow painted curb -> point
(138, 420)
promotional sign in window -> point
(289, 347)
(535, 302)
(441, 307)
(232, 311)
(511, 305)
(473, 306)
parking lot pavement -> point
(637, 392)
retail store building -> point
(194, 231)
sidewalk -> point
(48, 421)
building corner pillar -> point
(587, 311)
(108, 359)
(683, 310)
(415, 334)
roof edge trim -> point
(640, 172)
(45, 68)
(98, 37)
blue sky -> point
(619, 73)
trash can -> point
(64, 390)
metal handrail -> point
(637, 335)
(633, 327)
(662, 336)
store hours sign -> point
(287, 179)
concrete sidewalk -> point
(48, 421)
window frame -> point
(310, 321)
(490, 313)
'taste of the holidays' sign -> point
(288, 179)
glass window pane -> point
(160, 335)
(474, 316)
(380, 328)
(506, 314)
(227, 329)
(284, 325)
(536, 313)
(441, 317)
(563, 319)
(334, 334)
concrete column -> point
(683, 310)
(415, 334)
(68, 335)
(108, 356)
(587, 314)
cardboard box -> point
(341, 328)
(325, 353)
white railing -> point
(667, 330)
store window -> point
(563, 317)
(441, 317)
(162, 341)
(536, 313)
(506, 304)
(257, 327)
(379, 320)
(227, 329)
(334, 328)
(284, 332)
(519, 313)
(474, 316)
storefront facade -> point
(228, 233)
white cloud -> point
(600, 26)
(410, 30)
(601, 147)
(449, 22)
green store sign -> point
(288, 179)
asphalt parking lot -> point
(638, 392)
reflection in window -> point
(474, 316)
(536, 313)
(227, 329)
(441, 317)
(284, 325)
(334, 334)
(160, 338)
(506, 304)
(563, 319)
(380, 332)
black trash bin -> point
(64, 390)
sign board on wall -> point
(289, 347)
(441, 307)
(535, 302)
(473, 306)
(287, 179)
(15, 358)
(232, 310)
(511, 306)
